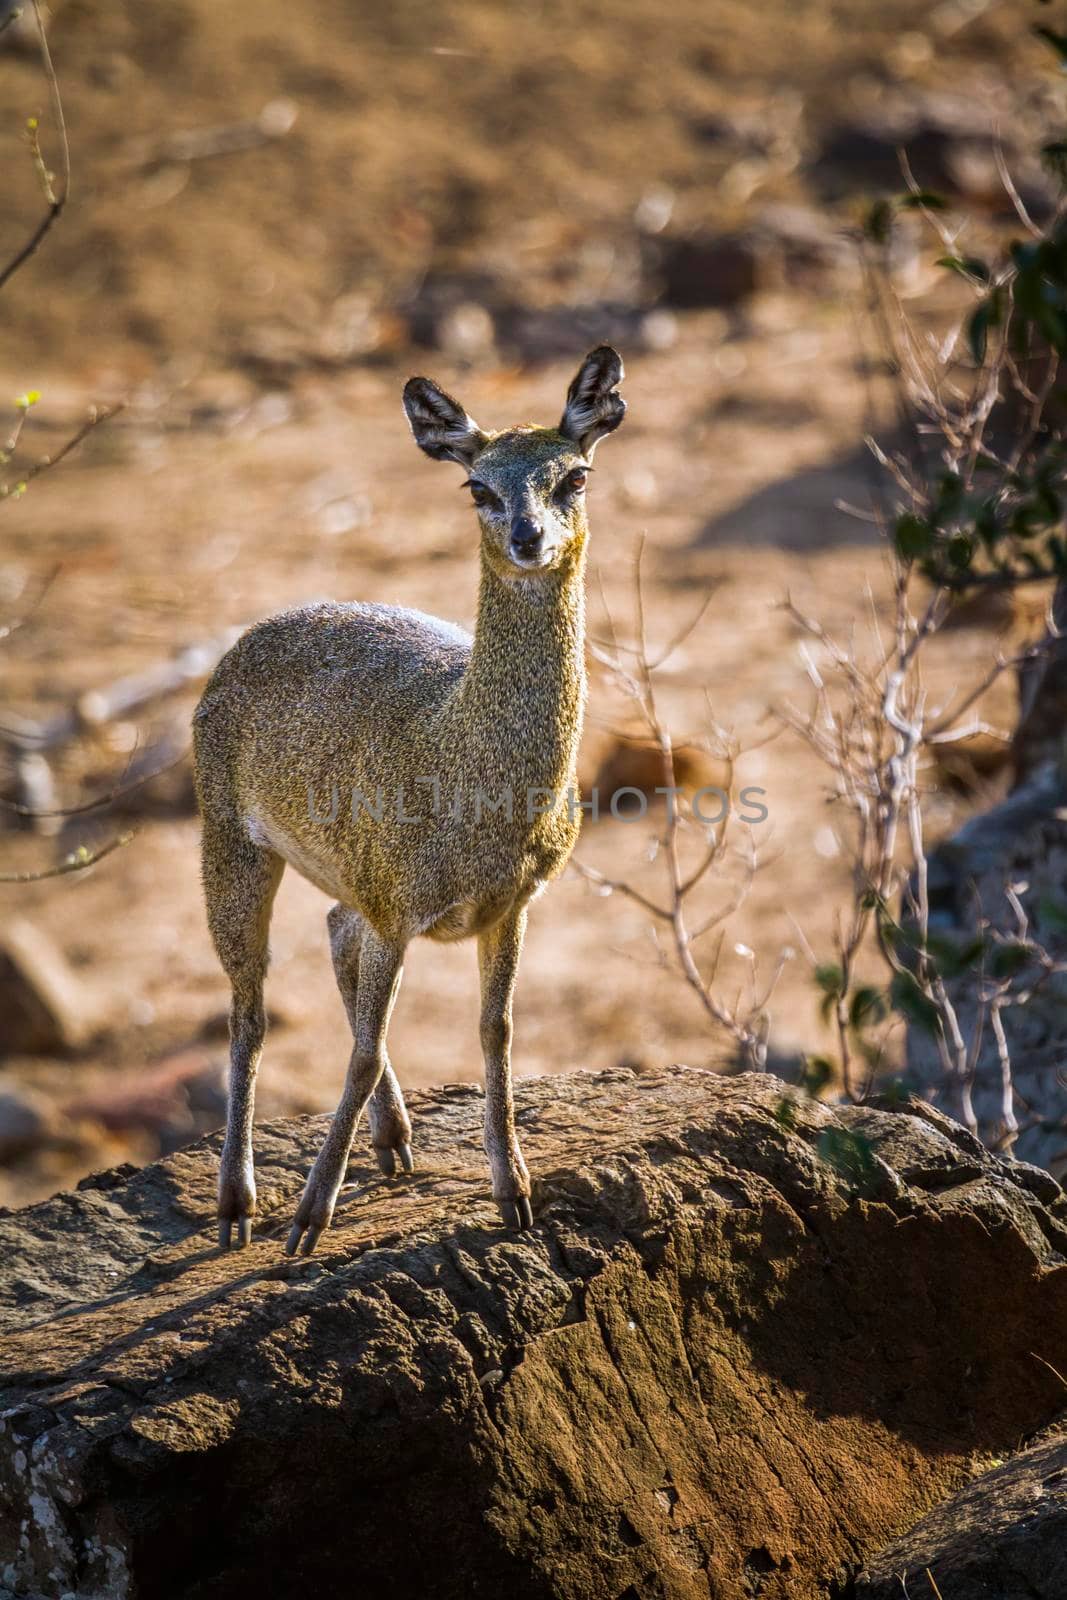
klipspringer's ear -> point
(593, 408)
(441, 426)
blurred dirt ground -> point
(261, 310)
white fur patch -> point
(318, 870)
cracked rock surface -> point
(750, 1340)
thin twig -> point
(748, 1025)
(56, 197)
(118, 793)
(78, 862)
(97, 416)
(1011, 191)
(1054, 1370)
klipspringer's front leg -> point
(237, 1180)
(237, 1183)
(380, 969)
(498, 961)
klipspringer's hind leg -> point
(498, 960)
(240, 882)
(380, 968)
(390, 1127)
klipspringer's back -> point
(309, 688)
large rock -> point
(750, 1339)
(1020, 845)
(1003, 1537)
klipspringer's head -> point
(527, 483)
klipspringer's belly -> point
(317, 867)
(413, 898)
(494, 894)
(468, 918)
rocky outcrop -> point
(1005, 1535)
(1021, 845)
(750, 1339)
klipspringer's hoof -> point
(310, 1237)
(227, 1240)
(388, 1157)
(237, 1207)
(313, 1216)
(517, 1214)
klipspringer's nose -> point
(526, 537)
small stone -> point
(712, 270)
(24, 1125)
(43, 1007)
(466, 332)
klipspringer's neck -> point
(524, 690)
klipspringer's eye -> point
(574, 482)
(483, 496)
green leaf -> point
(1048, 504)
(878, 223)
(1054, 326)
(969, 267)
(1007, 960)
(785, 1114)
(1025, 254)
(899, 940)
(912, 1003)
(923, 200)
(913, 536)
(987, 315)
(951, 958)
(867, 1007)
(818, 1071)
(960, 551)
(1052, 914)
(949, 494)
(830, 978)
(850, 1154)
(1041, 511)
(986, 524)
(978, 333)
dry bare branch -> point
(78, 861)
(634, 670)
(56, 194)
